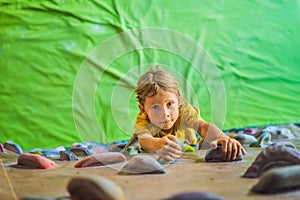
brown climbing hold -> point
(94, 188)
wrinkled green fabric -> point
(69, 68)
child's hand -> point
(231, 148)
(170, 148)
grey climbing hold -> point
(194, 196)
(142, 164)
(279, 180)
(245, 138)
(263, 140)
(272, 157)
(67, 155)
(81, 151)
(215, 155)
(285, 143)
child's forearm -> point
(209, 132)
(150, 143)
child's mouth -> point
(166, 122)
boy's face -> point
(162, 109)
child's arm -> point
(166, 147)
(214, 136)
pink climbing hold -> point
(2, 149)
(35, 161)
(250, 131)
(101, 159)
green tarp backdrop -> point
(69, 68)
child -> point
(165, 115)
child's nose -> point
(166, 112)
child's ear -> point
(141, 108)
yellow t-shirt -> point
(182, 128)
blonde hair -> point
(154, 80)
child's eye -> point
(155, 107)
(170, 104)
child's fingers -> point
(234, 151)
(239, 150)
(168, 157)
(175, 146)
(168, 154)
(214, 144)
(224, 148)
(172, 151)
(172, 154)
(244, 152)
(230, 148)
(172, 138)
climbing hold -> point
(215, 155)
(263, 140)
(194, 196)
(272, 157)
(249, 131)
(67, 155)
(13, 147)
(95, 147)
(53, 153)
(278, 180)
(2, 149)
(101, 159)
(187, 148)
(142, 164)
(245, 138)
(81, 151)
(94, 187)
(35, 161)
(285, 143)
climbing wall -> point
(68, 68)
